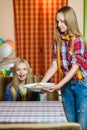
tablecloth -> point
(32, 112)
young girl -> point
(15, 91)
(70, 57)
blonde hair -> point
(15, 80)
(70, 21)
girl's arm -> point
(69, 75)
(8, 96)
(67, 78)
(50, 72)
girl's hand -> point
(49, 89)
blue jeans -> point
(74, 97)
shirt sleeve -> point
(79, 53)
(8, 96)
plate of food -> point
(38, 86)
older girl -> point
(70, 57)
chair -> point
(1, 88)
(3, 83)
(58, 126)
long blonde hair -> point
(70, 21)
(15, 80)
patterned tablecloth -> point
(32, 112)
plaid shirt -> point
(79, 56)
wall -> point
(78, 6)
(7, 17)
(85, 18)
(6, 20)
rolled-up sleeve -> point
(78, 52)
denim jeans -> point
(74, 97)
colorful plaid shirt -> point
(79, 56)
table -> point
(31, 112)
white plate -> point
(32, 87)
